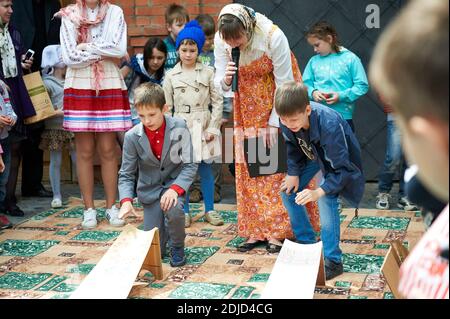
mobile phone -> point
(28, 55)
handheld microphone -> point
(235, 55)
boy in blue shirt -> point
(176, 17)
(318, 138)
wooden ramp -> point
(297, 271)
(114, 275)
(391, 266)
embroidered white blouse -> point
(276, 47)
(108, 39)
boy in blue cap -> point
(189, 90)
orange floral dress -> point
(261, 213)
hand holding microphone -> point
(231, 77)
(235, 55)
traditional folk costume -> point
(264, 64)
(95, 95)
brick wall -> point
(145, 18)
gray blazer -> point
(155, 177)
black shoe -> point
(39, 193)
(247, 246)
(272, 248)
(333, 269)
(14, 211)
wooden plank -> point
(114, 275)
(295, 273)
(391, 267)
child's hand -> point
(127, 209)
(209, 137)
(319, 96)
(306, 196)
(169, 200)
(332, 98)
(6, 120)
(82, 46)
(290, 183)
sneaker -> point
(214, 218)
(195, 196)
(89, 219)
(406, 205)
(217, 197)
(187, 220)
(177, 257)
(112, 215)
(56, 203)
(333, 269)
(15, 211)
(382, 201)
(4, 222)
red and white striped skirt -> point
(87, 111)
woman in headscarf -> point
(93, 36)
(265, 62)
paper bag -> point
(39, 97)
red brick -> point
(138, 42)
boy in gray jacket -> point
(161, 148)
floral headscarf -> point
(245, 14)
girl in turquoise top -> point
(335, 76)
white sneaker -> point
(382, 201)
(56, 203)
(112, 215)
(89, 219)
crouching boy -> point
(318, 138)
(160, 149)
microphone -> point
(235, 55)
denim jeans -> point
(394, 160)
(5, 175)
(329, 217)
(206, 185)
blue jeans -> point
(206, 185)
(329, 217)
(394, 160)
(5, 175)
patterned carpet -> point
(49, 255)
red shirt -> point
(156, 140)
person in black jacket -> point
(34, 20)
(318, 138)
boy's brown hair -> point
(176, 12)
(291, 98)
(149, 94)
(207, 23)
(410, 64)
